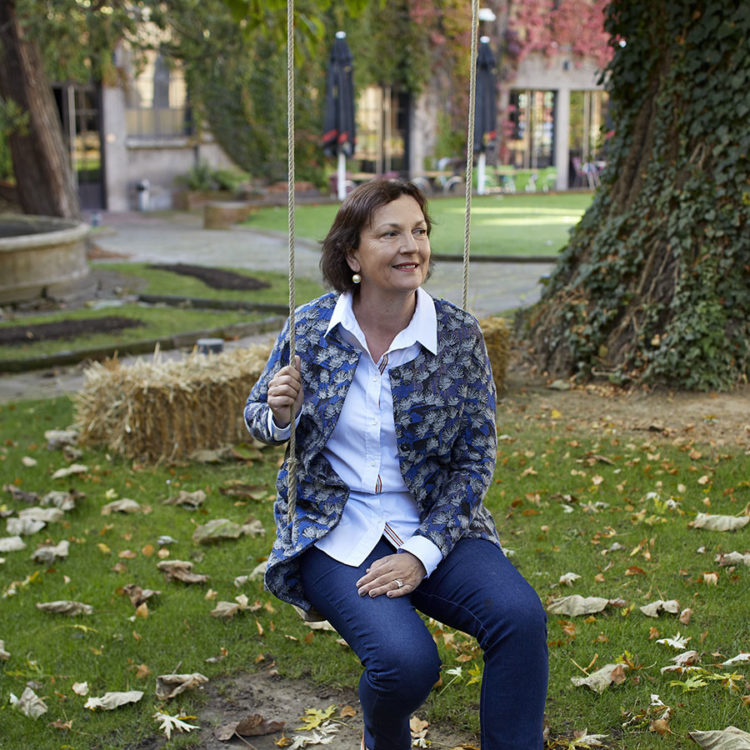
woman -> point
(396, 444)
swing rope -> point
(292, 463)
(470, 147)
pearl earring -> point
(356, 278)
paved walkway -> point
(180, 237)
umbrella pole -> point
(481, 161)
(342, 176)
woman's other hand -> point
(285, 391)
(385, 574)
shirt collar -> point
(422, 327)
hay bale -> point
(497, 338)
(168, 409)
(222, 214)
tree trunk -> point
(654, 285)
(40, 161)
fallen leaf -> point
(48, 553)
(576, 605)
(216, 530)
(12, 544)
(4, 655)
(136, 594)
(180, 570)
(47, 515)
(730, 738)
(170, 685)
(315, 717)
(189, 500)
(719, 523)
(125, 505)
(29, 704)
(733, 558)
(167, 723)
(65, 607)
(110, 701)
(600, 680)
(677, 642)
(254, 725)
(81, 688)
(671, 606)
(24, 526)
(29, 462)
(69, 471)
(239, 489)
(60, 438)
(568, 579)
(741, 657)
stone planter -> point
(42, 256)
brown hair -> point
(354, 215)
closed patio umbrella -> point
(338, 116)
(485, 120)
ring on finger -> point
(398, 582)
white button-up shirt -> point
(363, 451)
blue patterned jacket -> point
(444, 411)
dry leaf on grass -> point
(741, 657)
(81, 688)
(24, 526)
(110, 701)
(136, 594)
(217, 530)
(733, 558)
(66, 607)
(671, 606)
(180, 570)
(12, 544)
(125, 505)
(568, 579)
(189, 500)
(60, 438)
(167, 723)
(254, 725)
(730, 738)
(600, 680)
(61, 499)
(170, 685)
(4, 655)
(49, 553)
(227, 610)
(47, 515)
(29, 704)
(576, 605)
(69, 471)
(21, 495)
(678, 641)
(719, 523)
(243, 491)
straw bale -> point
(497, 338)
(168, 409)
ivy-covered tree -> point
(654, 285)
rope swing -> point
(292, 465)
(292, 462)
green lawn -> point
(159, 321)
(520, 224)
(615, 509)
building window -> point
(532, 132)
(157, 102)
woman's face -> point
(394, 251)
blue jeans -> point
(476, 590)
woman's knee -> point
(405, 669)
